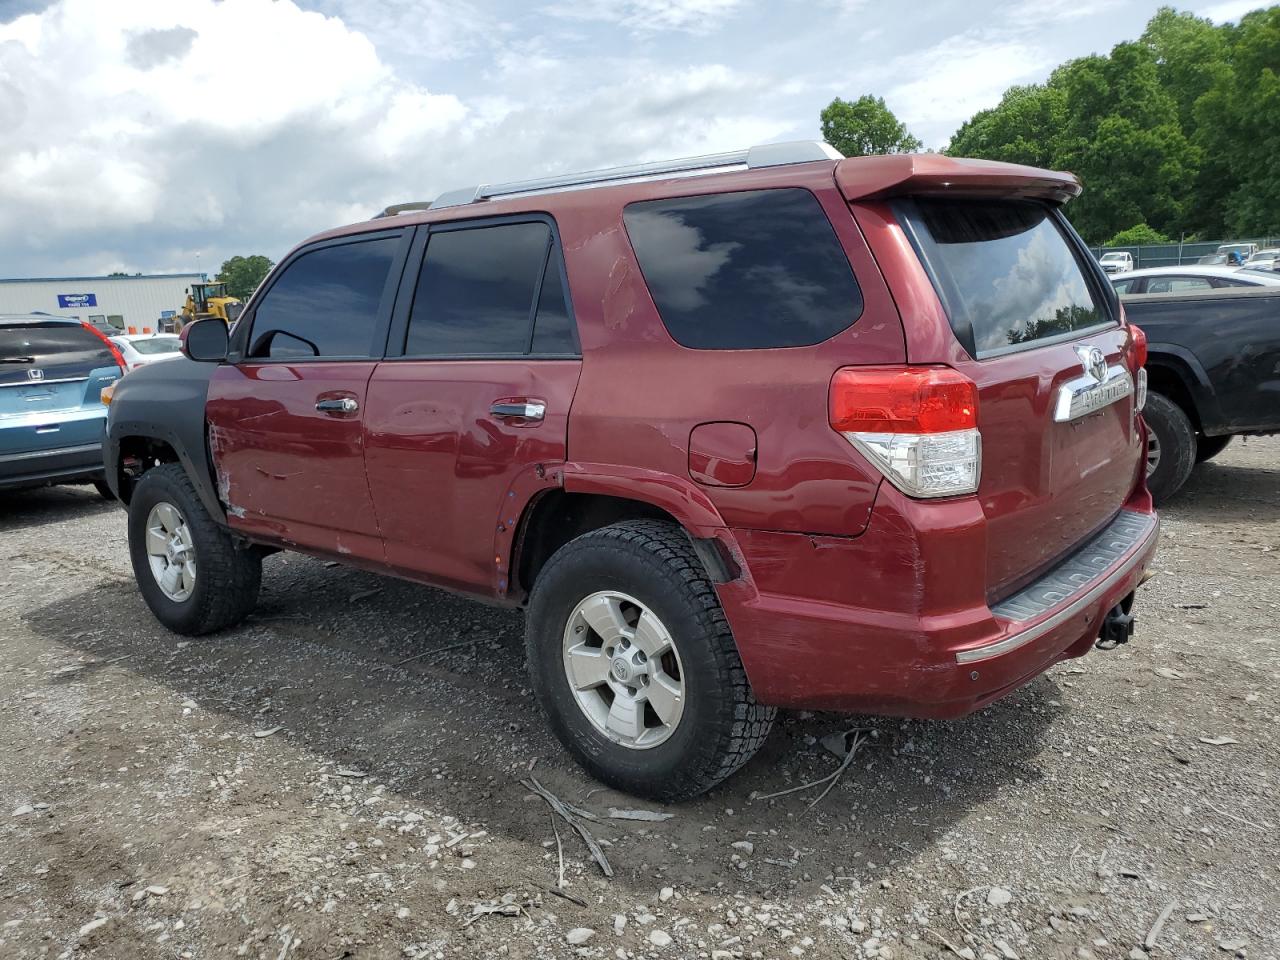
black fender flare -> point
(165, 402)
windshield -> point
(1005, 271)
(155, 345)
(1115, 256)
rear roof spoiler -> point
(871, 178)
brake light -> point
(115, 351)
(1138, 345)
(917, 425)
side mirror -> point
(205, 341)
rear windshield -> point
(38, 343)
(1005, 271)
(156, 345)
(743, 271)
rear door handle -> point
(338, 405)
(525, 410)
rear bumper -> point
(44, 466)
(909, 644)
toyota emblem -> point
(1094, 362)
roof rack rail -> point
(762, 155)
(398, 208)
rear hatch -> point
(51, 377)
(1028, 306)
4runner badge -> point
(1100, 387)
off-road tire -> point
(722, 725)
(228, 577)
(1209, 447)
(1177, 438)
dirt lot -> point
(299, 787)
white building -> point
(125, 302)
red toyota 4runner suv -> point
(758, 430)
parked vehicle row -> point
(1189, 279)
(797, 431)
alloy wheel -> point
(624, 670)
(171, 552)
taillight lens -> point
(917, 425)
(115, 351)
(1138, 346)
(1138, 351)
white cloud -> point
(695, 16)
(1231, 10)
(966, 73)
(141, 134)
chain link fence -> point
(1178, 254)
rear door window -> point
(325, 303)
(1006, 272)
(742, 271)
(491, 290)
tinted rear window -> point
(738, 271)
(1006, 272)
(475, 291)
(40, 344)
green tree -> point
(862, 127)
(1136, 236)
(1238, 127)
(243, 274)
(1023, 128)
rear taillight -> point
(917, 425)
(1138, 358)
(115, 351)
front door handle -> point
(523, 410)
(338, 405)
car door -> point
(474, 394)
(285, 415)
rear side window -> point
(325, 303)
(1005, 271)
(742, 271)
(490, 291)
(61, 349)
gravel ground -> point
(340, 778)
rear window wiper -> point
(17, 359)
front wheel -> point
(191, 573)
(632, 659)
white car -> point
(1116, 261)
(1264, 259)
(143, 348)
(1190, 278)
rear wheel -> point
(634, 663)
(1209, 447)
(1171, 446)
(191, 573)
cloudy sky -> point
(167, 135)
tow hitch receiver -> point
(1117, 628)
